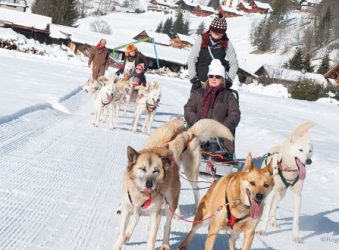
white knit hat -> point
(216, 68)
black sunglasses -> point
(216, 76)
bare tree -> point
(101, 26)
(83, 6)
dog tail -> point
(206, 129)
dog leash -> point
(177, 216)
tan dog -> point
(152, 175)
(238, 198)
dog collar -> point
(146, 204)
(231, 219)
(287, 184)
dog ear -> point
(167, 160)
(132, 156)
(248, 163)
(269, 167)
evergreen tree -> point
(201, 28)
(261, 35)
(325, 65)
(186, 28)
(179, 23)
(159, 28)
(168, 26)
(307, 63)
(63, 12)
(214, 3)
(296, 62)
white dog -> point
(289, 167)
(104, 100)
(147, 103)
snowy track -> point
(60, 178)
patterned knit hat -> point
(219, 24)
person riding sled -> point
(213, 44)
(132, 58)
(216, 102)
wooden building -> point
(182, 41)
(187, 5)
(229, 12)
(333, 73)
(19, 5)
(201, 10)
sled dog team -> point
(110, 93)
(236, 202)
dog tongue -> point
(255, 209)
(302, 170)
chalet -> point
(188, 5)
(229, 12)
(309, 3)
(245, 7)
(162, 5)
(182, 41)
(333, 73)
(230, 3)
(28, 24)
(159, 38)
(268, 74)
(202, 10)
(19, 5)
(259, 7)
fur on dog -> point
(289, 166)
(152, 174)
(146, 103)
(176, 138)
(108, 100)
(238, 198)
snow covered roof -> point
(232, 10)
(86, 37)
(264, 6)
(165, 53)
(159, 38)
(185, 38)
(25, 19)
(169, 4)
(92, 38)
(188, 2)
(293, 75)
(207, 8)
(14, 3)
(246, 5)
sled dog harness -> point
(109, 100)
(151, 107)
(287, 184)
(231, 219)
(146, 204)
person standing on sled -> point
(213, 44)
(99, 58)
(214, 101)
(132, 58)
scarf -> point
(210, 95)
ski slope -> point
(61, 178)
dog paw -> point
(261, 232)
(127, 236)
(165, 247)
(297, 240)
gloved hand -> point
(196, 84)
(228, 82)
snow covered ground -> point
(60, 178)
